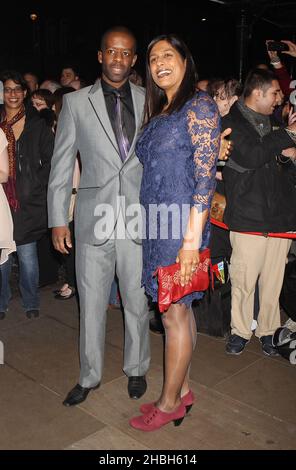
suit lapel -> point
(138, 110)
(97, 101)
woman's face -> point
(14, 95)
(167, 66)
(38, 102)
(224, 103)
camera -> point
(277, 46)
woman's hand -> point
(188, 260)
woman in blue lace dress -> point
(178, 147)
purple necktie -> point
(121, 137)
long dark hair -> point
(155, 96)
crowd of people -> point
(84, 160)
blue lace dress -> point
(178, 153)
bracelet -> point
(275, 61)
(291, 134)
(280, 159)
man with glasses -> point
(30, 147)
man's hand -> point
(226, 145)
(219, 176)
(291, 117)
(290, 153)
(292, 48)
(274, 57)
(61, 239)
(292, 127)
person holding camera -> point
(280, 70)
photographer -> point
(280, 69)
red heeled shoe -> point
(156, 418)
(188, 399)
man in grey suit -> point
(101, 123)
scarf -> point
(10, 186)
(260, 122)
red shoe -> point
(187, 401)
(156, 418)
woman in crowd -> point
(42, 101)
(225, 93)
(30, 147)
(178, 147)
(68, 289)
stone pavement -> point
(244, 402)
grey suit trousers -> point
(95, 267)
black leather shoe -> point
(32, 313)
(77, 395)
(137, 386)
(267, 346)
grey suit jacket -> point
(84, 127)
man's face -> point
(202, 85)
(32, 82)
(117, 58)
(267, 100)
(67, 76)
(14, 95)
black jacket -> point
(34, 150)
(261, 196)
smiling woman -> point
(178, 149)
(30, 145)
(167, 68)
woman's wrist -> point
(190, 246)
(276, 62)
